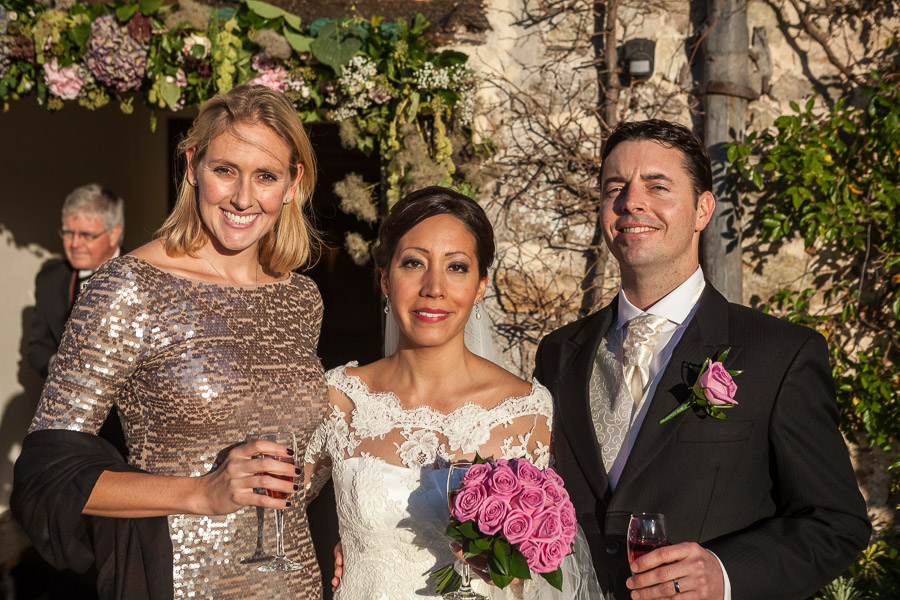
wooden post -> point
(726, 74)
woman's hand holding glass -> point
(240, 470)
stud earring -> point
(287, 199)
(387, 304)
(478, 310)
(194, 182)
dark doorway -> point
(351, 329)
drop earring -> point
(478, 310)
(387, 304)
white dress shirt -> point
(678, 307)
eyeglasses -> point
(84, 236)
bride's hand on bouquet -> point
(239, 470)
(477, 565)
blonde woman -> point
(198, 338)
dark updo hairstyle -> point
(417, 206)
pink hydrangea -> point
(63, 82)
(274, 79)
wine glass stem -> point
(465, 585)
(279, 533)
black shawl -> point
(54, 477)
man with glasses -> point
(93, 223)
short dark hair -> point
(431, 201)
(670, 135)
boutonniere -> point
(713, 390)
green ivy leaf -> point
(170, 93)
(124, 12)
(80, 34)
(149, 7)
(299, 42)
(335, 45)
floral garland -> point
(380, 80)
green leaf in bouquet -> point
(500, 580)
(483, 543)
(518, 566)
(554, 578)
(454, 533)
(468, 530)
(500, 557)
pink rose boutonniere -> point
(713, 390)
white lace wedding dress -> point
(389, 466)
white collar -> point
(83, 273)
(674, 306)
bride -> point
(393, 426)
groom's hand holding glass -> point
(674, 570)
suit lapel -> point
(576, 366)
(705, 336)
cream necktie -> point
(637, 351)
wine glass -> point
(454, 483)
(646, 532)
(280, 562)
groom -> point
(762, 504)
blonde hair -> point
(293, 238)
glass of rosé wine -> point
(646, 532)
(279, 562)
(455, 477)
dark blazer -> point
(53, 294)
(769, 490)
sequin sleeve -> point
(101, 347)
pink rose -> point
(467, 502)
(517, 526)
(553, 476)
(550, 555)
(527, 473)
(477, 473)
(501, 462)
(491, 515)
(555, 494)
(502, 482)
(718, 386)
(529, 500)
(532, 554)
(567, 521)
(547, 525)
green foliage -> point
(382, 79)
(832, 178)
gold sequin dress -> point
(193, 369)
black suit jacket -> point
(53, 295)
(769, 490)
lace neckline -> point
(390, 397)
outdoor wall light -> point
(638, 58)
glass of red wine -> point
(646, 532)
(280, 562)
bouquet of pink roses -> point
(518, 516)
